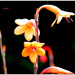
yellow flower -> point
(32, 49)
(28, 27)
(58, 12)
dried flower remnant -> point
(4, 48)
(5, 8)
(56, 70)
(28, 27)
(58, 12)
(32, 49)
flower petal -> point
(39, 45)
(59, 18)
(26, 52)
(21, 21)
(33, 57)
(53, 23)
(34, 43)
(19, 30)
(33, 30)
(28, 34)
(54, 69)
(40, 51)
(27, 44)
(33, 21)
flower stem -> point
(50, 54)
(37, 39)
(3, 56)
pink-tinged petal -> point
(19, 30)
(33, 22)
(40, 51)
(28, 34)
(26, 52)
(21, 21)
(59, 18)
(33, 57)
(54, 69)
(27, 44)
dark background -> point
(61, 38)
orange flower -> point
(54, 69)
(32, 49)
(58, 12)
(28, 27)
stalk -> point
(3, 56)
(37, 39)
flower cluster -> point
(33, 49)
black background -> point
(61, 37)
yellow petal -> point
(19, 30)
(33, 57)
(53, 23)
(40, 51)
(28, 34)
(27, 44)
(59, 18)
(34, 43)
(39, 45)
(26, 52)
(21, 21)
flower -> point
(28, 27)
(58, 12)
(32, 49)
(54, 69)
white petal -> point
(33, 21)
(21, 21)
(59, 19)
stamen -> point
(71, 19)
(33, 49)
(67, 20)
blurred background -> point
(61, 37)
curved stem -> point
(50, 54)
(37, 39)
(3, 56)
